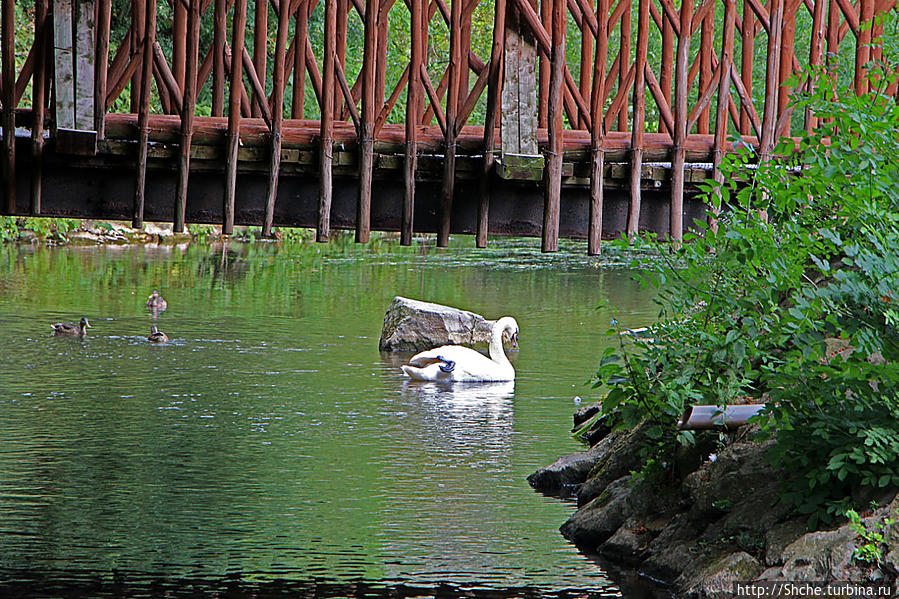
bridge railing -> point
(626, 81)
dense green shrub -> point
(758, 309)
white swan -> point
(462, 364)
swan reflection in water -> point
(452, 415)
(465, 401)
(465, 419)
(456, 441)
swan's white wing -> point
(431, 372)
(456, 353)
(467, 365)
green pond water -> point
(270, 439)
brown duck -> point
(157, 336)
(71, 329)
(156, 302)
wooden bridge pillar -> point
(497, 52)
(9, 109)
(519, 157)
(73, 53)
(553, 182)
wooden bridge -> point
(598, 117)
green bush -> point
(759, 308)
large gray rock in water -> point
(411, 325)
(571, 470)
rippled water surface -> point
(270, 440)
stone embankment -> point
(716, 520)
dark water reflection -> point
(270, 441)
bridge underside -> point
(102, 185)
(532, 117)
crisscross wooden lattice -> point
(630, 81)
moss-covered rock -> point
(598, 520)
(702, 530)
(821, 555)
(716, 581)
(779, 537)
(566, 474)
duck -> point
(157, 336)
(455, 363)
(71, 329)
(156, 302)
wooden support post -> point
(815, 59)
(769, 121)
(179, 41)
(260, 51)
(426, 114)
(143, 130)
(863, 45)
(665, 74)
(244, 96)
(218, 58)
(235, 87)
(340, 50)
(188, 104)
(877, 34)
(168, 90)
(413, 117)
(543, 95)
(706, 48)
(833, 38)
(494, 91)
(73, 82)
(327, 123)
(553, 190)
(104, 16)
(367, 130)
(748, 41)
(585, 86)
(464, 51)
(625, 55)
(383, 25)
(278, 78)
(297, 105)
(520, 156)
(772, 78)
(452, 110)
(785, 68)
(39, 103)
(597, 135)
(118, 74)
(721, 113)
(639, 121)
(9, 105)
(138, 27)
(681, 91)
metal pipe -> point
(697, 418)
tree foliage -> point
(797, 311)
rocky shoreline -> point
(713, 520)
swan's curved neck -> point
(497, 354)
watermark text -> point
(787, 588)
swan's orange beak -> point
(515, 339)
